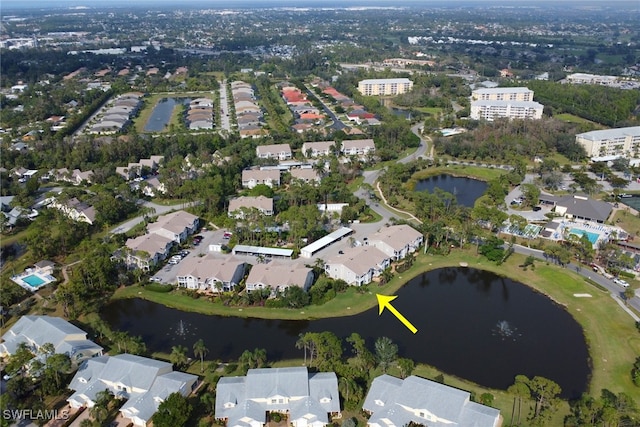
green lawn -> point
(611, 336)
(570, 118)
(478, 172)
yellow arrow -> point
(384, 301)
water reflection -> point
(457, 312)
(465, 190)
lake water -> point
(466, 190)
(471, 323)
(161, 113)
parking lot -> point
(168, 273)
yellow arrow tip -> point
(384, 301)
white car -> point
(621, 282)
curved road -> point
(371, 176)
(156, 210)
(616, 291)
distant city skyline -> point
(62, 4)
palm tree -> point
(302, 344)
(246, 359)
(178, 355)
(259, 357)
(199, 350)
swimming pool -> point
(33, 281)
(593, 237)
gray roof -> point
(395, 402)
(581, 206)
(134, 371)
(39, 330)
(597, 135)
(147, 380)
(243, 399)
(144, 405)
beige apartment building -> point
(504, 102)
(375, 87)
(611, 142)
(502, 94)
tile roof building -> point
(210, 273)
(261, 203)
(317, 149)
(358, 266)
(393, 402)
(310, 399)
(397, 241)
(358, 147)
(279, 277)
(175, 226)
(274, 151)
(253, 177)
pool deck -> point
(46, 279)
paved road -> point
(337, 123)
(225, 124)
(616, 291)
(156, 210)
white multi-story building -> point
(358, 266)
(253, 177)
(210, 273)
(502, 94)
(504, 102)
(592, 79)
(274, 151)
(397, 241)
(374, 87)
(611, 142)
(491, 110)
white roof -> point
(596, 135)
(326, 240)
(262, 250)
(492, 90)
(385, 81)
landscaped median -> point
(613, 340)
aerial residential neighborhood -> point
(309, 215)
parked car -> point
(184, 253)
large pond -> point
(471, 323)
(162, 112)
(466, 190)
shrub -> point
(275, 417)
(159, 287)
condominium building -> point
(490, 110)
(373, 87)
(611, 142)
(502, 94)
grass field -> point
(477, 172)
(609, 331)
